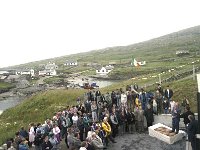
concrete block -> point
(165, 138)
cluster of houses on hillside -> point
(50, 69)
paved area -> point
(144, 142)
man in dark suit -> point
(168, 93)
(192, 131)
(135, 87)
(185, 116)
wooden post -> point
(159, 79)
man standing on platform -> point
(175, 118)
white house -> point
(50, 70)
(104, 70)
(26, 72)
(3, 72)
(51, 66)
(71, 63)
(138, 63)
(182, 52)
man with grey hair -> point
(192, 131)
(96, 141)
(175, 118)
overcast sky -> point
(41, 29)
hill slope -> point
(164, 47)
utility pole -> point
(193, 73)
(159, 78)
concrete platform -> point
(163, 137)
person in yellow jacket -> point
(137, 102)
(107, 128)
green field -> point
(4, 86)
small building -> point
(2, 77)
(26, 72)
(51, 66)
(71, 63)
(92, 64)
(138, 63)
(104, 70)
(112, 63)
(182, 52)
(48, 73)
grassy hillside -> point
(44, 105)
(4, 86)
(35, 109)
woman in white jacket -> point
(56, 132)
(31, 133)
(124, 99)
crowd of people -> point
(98, 118)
